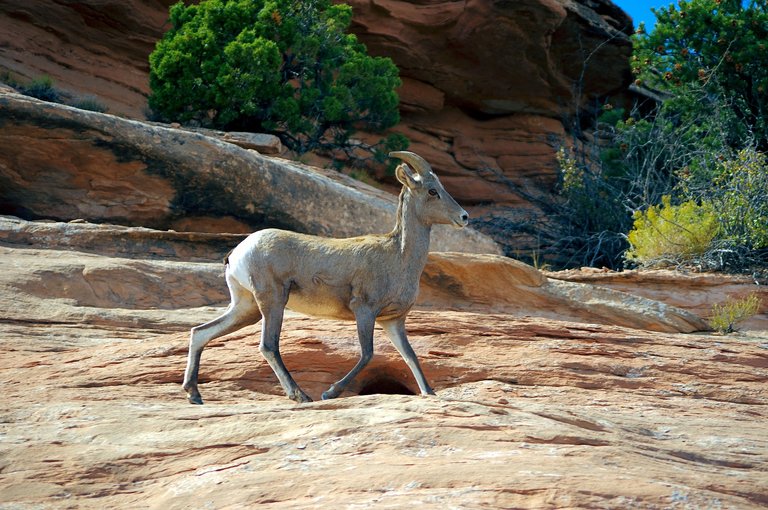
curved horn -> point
(417, 162)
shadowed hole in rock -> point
(384, 385)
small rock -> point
(263, 143)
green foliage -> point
(703, 144)
(640, 159)
(41, 88)
(603, 184)
(593, 217)
(691, 160)
(726, 316)
(649, 156)
(721, 45)
(393, 142)
(676, 233)
(279, 66)
(9, 79)
(588, 192)
(572, 173)
(89, 103)
(739, 191)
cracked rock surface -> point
(529, 413)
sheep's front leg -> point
(270, 348)
(395, 330)
(365, 321)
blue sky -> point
(640, 10)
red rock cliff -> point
(88, 47)
(490, 88)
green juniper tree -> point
(718, 46)
(278, 66)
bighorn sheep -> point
(369, 279)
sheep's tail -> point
(226, 257)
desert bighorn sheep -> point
(369, 279)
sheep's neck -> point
(411, 235)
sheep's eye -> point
(433, 192)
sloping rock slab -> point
(695, 292)
(118, 240)
(64, 163)
(492, 282)
(92, 280)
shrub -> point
(41, 88)
(593, 212)
(725, 317)
(740, 192)
(278, 66)
(631, 166)
(89, 103)
(672, 233)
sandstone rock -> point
(63, 163)
(502, 57)
(511, 77)
(117, 240)
(540, 403)
(148, 270)
(576, 414)
(503, 169)
(530, 413)
(265, 144)
(494, 57)
(509, 160)
(89, 47)
(488, 87)
(417, 96)
(488, 282)
(695, 292)
(260, 142)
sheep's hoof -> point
(193, 394)
(331, 393)
(300, 397)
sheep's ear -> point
(407, 177)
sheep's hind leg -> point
(270, 349)
(241, 312)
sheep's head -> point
(433, 204)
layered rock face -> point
(498, 58)
(88, 47)
(696, 292)
(490, 89)
(120, 267)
